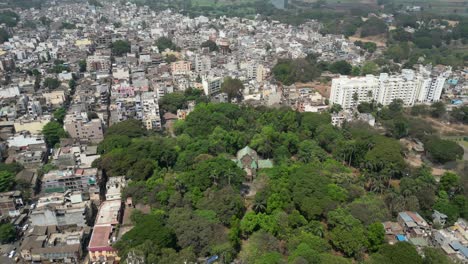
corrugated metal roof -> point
(405, 217)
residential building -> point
(181, 67)
(32, 125)
(98, 63)
(10, 203)
(409, 86)
(49, 244)
(104, 232)
(80, 127)
(70, 179)
(114, 187)
(55, 98)
(212, 85)
(202, 64)
(62, 209)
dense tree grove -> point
(329, 188)
(120, 47)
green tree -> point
(7, 233)
(164, 43)
(51, 83)
(435, 256)
(132, 128)
(373, 26)
(82, 64)
(370, 68)
(112, 142)
(402, 252)
(147, 228)
(4, 35)
(120, 47)
(449, 182)
(376, 236)
(9, 18)
(232, 87)
(438, 109)
(7, 180)
(211, 45)
(341, 67)
(59, 114)
(53, 132)
(173, 101)
(442, 151)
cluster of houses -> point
(413, 228)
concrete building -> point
(32, 125)
(55, 98)
(202, 64)
(62, 209)
(98, 63)
(71, 179)
(51, 245)
(100, 245)
(411, 87)
(10, 202)
(114, 188)
(80, 127)
(181, 67)
(212, 85)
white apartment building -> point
(202, 64)
(212, 85)
(149, 111)
(411, 87)
(344, 89)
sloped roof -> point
(264, 164)
(245, 151)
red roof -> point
(100, 238)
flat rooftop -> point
(109, 213)
(100, 239)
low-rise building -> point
(31, 125)
(80, 179)
(100, 245)
(52, 245)
(62, 209)
(10, 203)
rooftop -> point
(100, 239)
(108, 213)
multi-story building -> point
(104, 235)
(98, 63)
(202, 64)
(10, 203)
(51, 245)
(433, 83)
(212, 85)
(181, 67)
(71, 179)
(80, 127)
(346, 90)
(411, 87)
(62, 209)
(148, 110)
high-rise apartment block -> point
(422, 86)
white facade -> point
(411, 87)
(212, 85)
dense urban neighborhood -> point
(167, 132)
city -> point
(135, 133)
